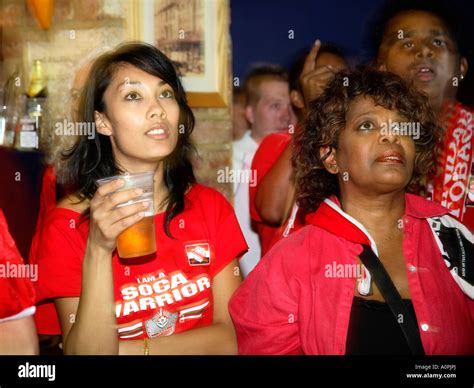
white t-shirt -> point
(243, 151)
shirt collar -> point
(415, 206)
(419, 207)
(330, 217)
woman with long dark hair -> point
(168, 303)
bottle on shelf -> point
(3, 125)
(10, 108)
(31, 122)
(37, 87)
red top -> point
(17, 298)
(269, 151)
(45, 317)
(290, 304)
(168, 294)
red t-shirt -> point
(269, 151)
(17, 298)
(168, 294)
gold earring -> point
(462, 77)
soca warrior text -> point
(160, 291)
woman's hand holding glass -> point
(107, 220)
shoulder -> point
(63, 221)
(446, 224)
(207, 205)
(296, 248)
(309, 246)
(74, 203)
(206, 195)
(245, 144)
(269, 150)
(243, 140)
(278, 139)
(302, 239)
(68, 209)
(238, 146)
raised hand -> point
(313, 79)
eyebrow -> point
(130, 82)
(367, 114)
(400, 117)
(274, 98)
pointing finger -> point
(310, 60)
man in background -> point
(268, 110)
(272, 206)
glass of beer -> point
(138, 239)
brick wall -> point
(81, 30)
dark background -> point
(259, 29)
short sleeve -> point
(266, 156)
(229, 241)
(17, 297)
(59, 256)
(265, 307)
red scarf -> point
(451, 184)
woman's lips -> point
(391, 157)
(158, 133)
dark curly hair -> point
(93, 159)
(327, 117)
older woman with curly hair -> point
(376, 270)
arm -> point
(18, 337)
(275, 192)
(218, 338)
(88, 323)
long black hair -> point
(92, 159)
